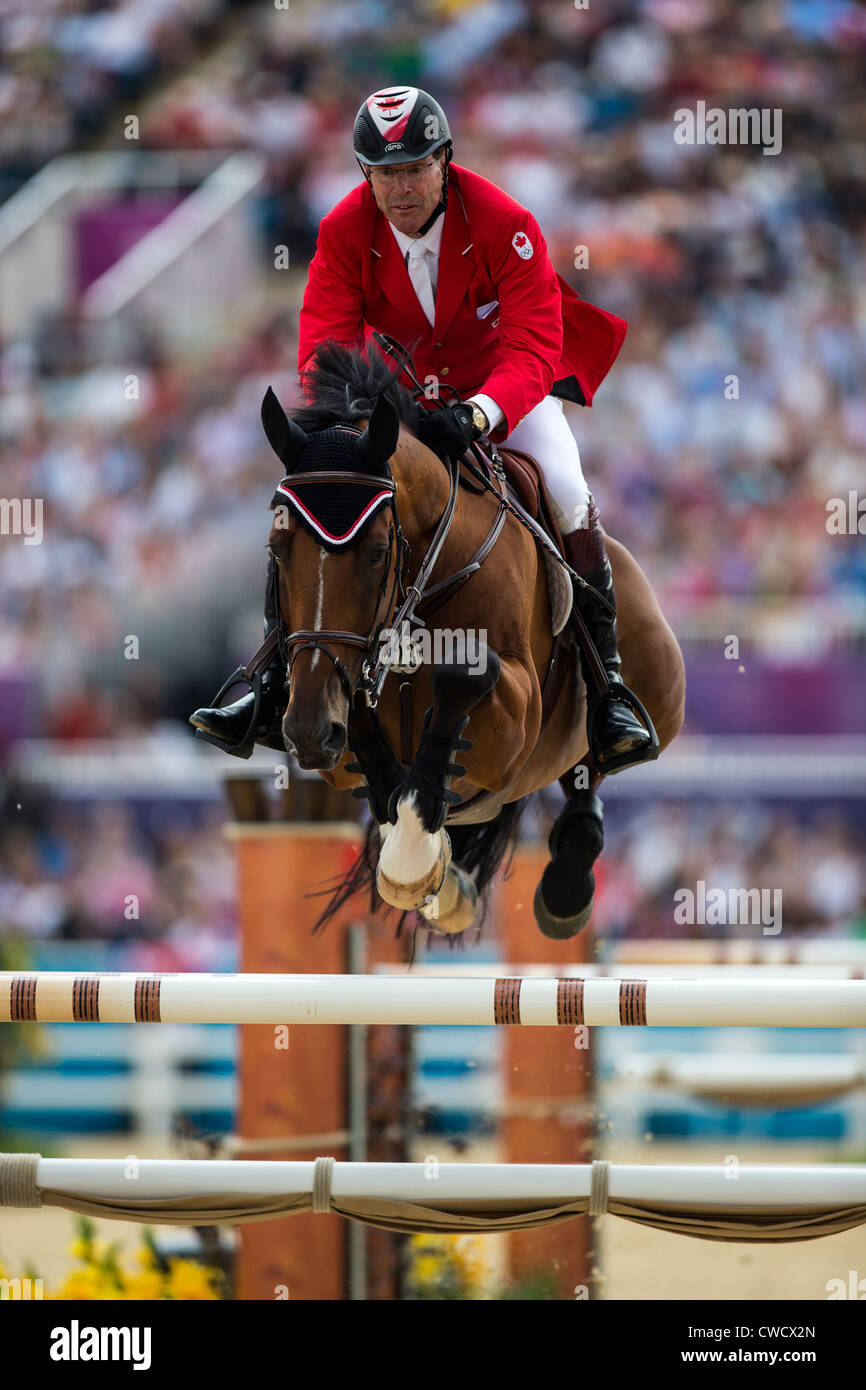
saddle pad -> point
(560, 593)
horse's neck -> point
(422, 491)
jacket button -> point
(443, 371)
(436, 347)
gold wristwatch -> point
(479, 419)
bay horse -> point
(365, 519)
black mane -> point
(342, 386)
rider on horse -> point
(438, 256)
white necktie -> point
(419, 274)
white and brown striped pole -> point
(55, 996)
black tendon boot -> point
(457, 689)
(373, 758)
(257, 716)
(619, 731)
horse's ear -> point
(379, 439)
(285, 437)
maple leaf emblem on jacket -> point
(522, 245)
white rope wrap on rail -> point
(323, 1172)
(18, 1180)
(599, 1187)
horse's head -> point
(338, 548)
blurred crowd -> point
(148, 504)
(101, 874)
(812, 872)
(67, 65)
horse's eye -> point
(378, 555)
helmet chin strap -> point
(443, 201)
(439, 208)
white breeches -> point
(546, 434)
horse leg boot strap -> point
(619, 730)
(255, 718)
(431, 774)
(375, 761)
(457, 689)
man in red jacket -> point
(456, 270)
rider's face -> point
(408, 193)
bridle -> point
(371, 674)
(402, 602)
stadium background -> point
(143, 314)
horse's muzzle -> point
(317, 748)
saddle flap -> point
(526, 483)
(524, 479)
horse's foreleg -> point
(415, 869)
(564, 897)
(374, 759)
(457, 689)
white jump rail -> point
(731, 1202)
(765, 1187)
(55, 996)
(793, 1079)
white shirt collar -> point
(431, 240)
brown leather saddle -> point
(526, 485)
(529, 488)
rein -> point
(376, 669)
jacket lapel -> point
(392, 277)
(456, 264)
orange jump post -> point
(294, 1082)
(548, 1117)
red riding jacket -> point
(506, 324)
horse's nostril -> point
(337, 737)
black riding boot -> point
(257, 716)
(617, 737)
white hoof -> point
(413, 862)
(454, 907)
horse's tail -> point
(479, 849)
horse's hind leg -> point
(564, 897)
(415, 868)
(652, 666)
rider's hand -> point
(448, 432)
